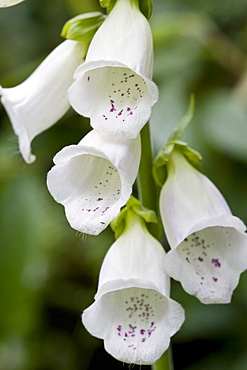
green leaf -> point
(118, 225)
(83, 26)
(146, 7)
(174, 142)
(177, 133)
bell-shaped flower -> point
(6, 3)
(208, 244)
(94, 179)
(114, 86)
(41, 100)
(133, 312)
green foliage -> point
(174, 142)
(133, 205)
(146, 6)
(83, 26)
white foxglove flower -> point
(208, 244)
(41, 100)
(132, 311)
(6, 3)
(94, 179)
(114, 86)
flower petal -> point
(114, 87)
(41, 100)
(132, 311)
(187, 199)
(209, 244)
(135, 323)
(126, 37)
(208, 263)
(94, 179)
(6, 3)
(116, 98)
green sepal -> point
(133, 205)
(146, 6)
(159, 167)
(174, 142)
(106, 3)
(83, 26)
(109, 4)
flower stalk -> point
(165, 362)
(148, 194)
(146, 185)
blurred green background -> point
(48, 272)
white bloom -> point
(208, 244)
(5, 3)
(114, 86)
(94, 179)
(132, 311)
(41, 100)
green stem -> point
(145, 182)
(164, 363)
(148, 194)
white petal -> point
(5, 3)
(187, 199)
(208, 263)
(132, 311)
(132, 244)
(114, 87)
(41, 100)
(135, 323)
(94, 179)
(116, 98)
(126, 37)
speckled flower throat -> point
(123, 92)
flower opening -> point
(94, 179)
(114, 86)
(208, 244)
(132, 311)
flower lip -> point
(122, 98)
(138, 328)
(120, 284)
(222, 220)
(208, 263)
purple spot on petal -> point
(216, 262)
